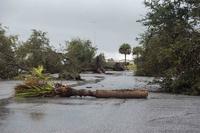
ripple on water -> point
(159, 113)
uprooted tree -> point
(39, 85)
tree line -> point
(170, 47)
(18, 57)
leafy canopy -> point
(171, 45)
(80, 53)
(8, 67)
(125, 49)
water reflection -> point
(4, 112)
(37, 116)
(159, 113)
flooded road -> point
(160, 113)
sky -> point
(107, 23)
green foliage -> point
(32, 52)
(70, 75)
(137, 51)
(53, 61)
(37, 72)
(125, 49)
(37, 51)
(19, 58)
(36, 84)
(80, 54)
(131, 67)
(100, 61)
(170, 46)
(8, 68)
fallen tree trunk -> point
(38, 85)
(134, 93)
(66, 91)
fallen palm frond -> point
(33, 91)
(38, 85)
(35, 85)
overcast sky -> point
(107, 23)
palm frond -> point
(36, 84)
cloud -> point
(108, 23)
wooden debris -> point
(66, 91)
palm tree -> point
(125, 49)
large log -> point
(38, 85)
(128, 93)
(66, 91)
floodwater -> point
(160, 113)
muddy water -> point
(159, 113)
